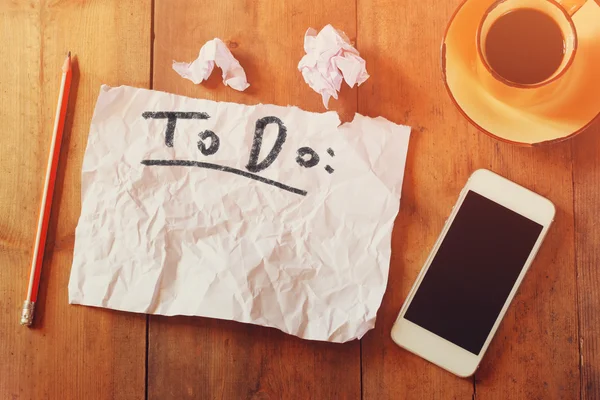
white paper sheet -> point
(304, 249)
(214, 52)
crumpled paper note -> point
(329, 59)
(214, 52)
(260, 214)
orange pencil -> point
(46, 206)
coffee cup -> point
(525, 47)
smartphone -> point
(473, 272)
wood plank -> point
(586, 174)
(71, 352)
(544, 360)
(204, 358)
(586, 181)
(534, 354)
(400, 41)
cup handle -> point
(572, 6)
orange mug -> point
(488, 80)
(528, 91)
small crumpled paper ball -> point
(329, 59)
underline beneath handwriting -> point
(199, 164)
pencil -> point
(46, 204)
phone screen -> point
(473, 272)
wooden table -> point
(548, 346)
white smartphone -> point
(473, 272)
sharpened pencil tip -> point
(67, 64)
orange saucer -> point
(566, 113)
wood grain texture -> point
(586, 179)
(71, 352)
(535, 353)
(400, 40)
(211, 359)
(548, 347)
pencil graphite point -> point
(67, 63)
